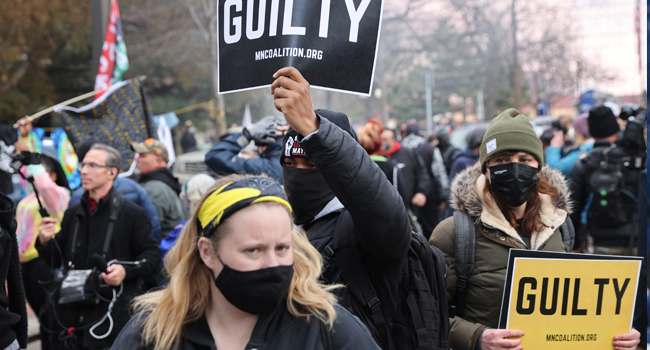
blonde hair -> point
(188, 293)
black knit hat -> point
(602, 122)
(337, 118)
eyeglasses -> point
(92, 166)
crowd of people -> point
(329, 238)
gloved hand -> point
(264, 132)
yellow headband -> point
(236, 195)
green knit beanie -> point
(511, 131)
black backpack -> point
(464, 259)
(607, 208)
(422, 306)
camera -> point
(27, 158)
(633, 136)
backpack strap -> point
(465, 242)
(356, 277)
(568, 234)
(116, 204)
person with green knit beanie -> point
(511, 131)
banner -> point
(67, 157)
(121, 116)
(113, 62)
(569, 301)
(332, 43)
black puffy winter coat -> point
(381, 224)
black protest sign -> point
(333, 43)
(569, 301)
(120, 116)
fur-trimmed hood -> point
(467, 196)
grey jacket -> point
(168, 205)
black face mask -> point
(258, 292)
(307, 192)
(513, 183)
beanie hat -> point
(412, 128)
(602, 122)
(195, 187)
(292, 139)
(580, 124)
(475, 136)
(511, 131)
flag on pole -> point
(113, 62)
(121, 116)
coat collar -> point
(467, 195)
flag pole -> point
(68, 102)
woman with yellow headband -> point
(242, 276)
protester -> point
(188, 142)
(159, 182)
(250, 282)
(414, 172)
(413, 138)
(193, 190)
(607, 181)
(85, 233)
(446, 148)
(127, 187)
(464, 159)
(54, 194)
(431, 158)
(562, 157)
(337, 191)
(370, 139)
(224, 157)
(515, 202)
(13, 312)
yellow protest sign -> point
(569, 301)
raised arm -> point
(375, 206)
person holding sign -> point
(508, 200)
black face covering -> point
(258, 292)
(307, 192)
(513, 183)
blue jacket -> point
(223, 159)
(135, 193)
(462, 160)
(555, 158)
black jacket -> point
(280, 330)
(13, 312)
(414, 171)
(132, 240)
(381, 225)
(581, 189)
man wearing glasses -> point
(159, 182)
(83, 234)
